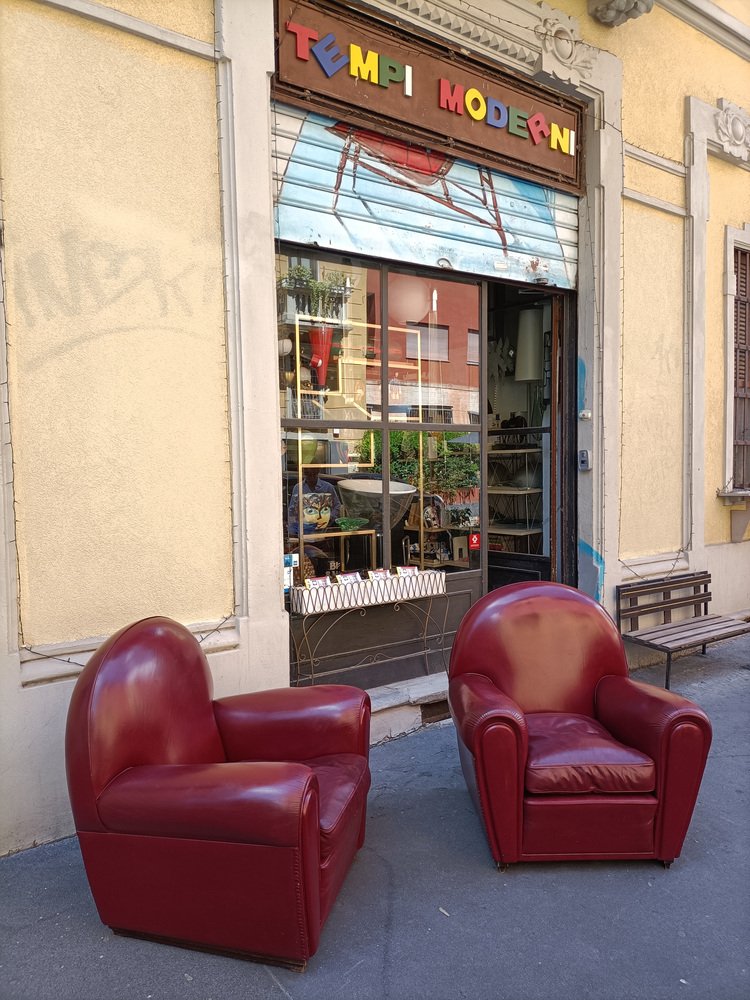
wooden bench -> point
(660, 597)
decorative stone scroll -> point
(733, 130)
(564, 56)
(616, 12)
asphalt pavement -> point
(425, 914)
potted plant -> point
(322, 299)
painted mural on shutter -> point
(742, 370)
(349, 189)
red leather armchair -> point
(228, 825)
(567, 758)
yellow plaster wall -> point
(663, 60)
(190, 17)
(655, 182)
(729, 206)
(652, 382)
(116, 346)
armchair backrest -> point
(144, 697)
(544, 644)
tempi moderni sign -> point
(377, 77)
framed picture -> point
(407, 570)
(313, 582)
(378, 574)
(347, 578)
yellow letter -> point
(559, 138)
(365, 67)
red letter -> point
(452, 100)
(304, 37)
(538, 127)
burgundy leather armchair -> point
(565, 756)
(227, 825)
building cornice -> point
(713, 21)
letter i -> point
(407, 80)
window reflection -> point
(358, 498)
(433, 349)
(329, 366)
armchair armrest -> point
(645, 717)
(675, 733)
(493, 746)
(295, 723)
(476, 703)
(248, 802)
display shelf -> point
(519, 530)
(515, 498)
(441, 538)
(515, 491)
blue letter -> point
(331, 59)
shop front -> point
(426, 218)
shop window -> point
(362, 491)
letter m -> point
(365, 67)
(451, 98)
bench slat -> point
(702, 621)
(636, 601)
(691, 632)
(656, 607)
(662, 584)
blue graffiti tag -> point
(586, 551)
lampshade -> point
(530, 346)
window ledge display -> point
(389, 590)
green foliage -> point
(452, 474)
(322, 297)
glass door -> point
(526, 468)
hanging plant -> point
(317, 297)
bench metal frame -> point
(662, 596)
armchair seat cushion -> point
(573, 754)
(344, 781)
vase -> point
(321, 338)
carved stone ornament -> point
(614, 12)
(564, 56)
(468, 25)
(733, 130)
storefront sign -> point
(379, 78)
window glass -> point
(426, 343)
(362, 491)
(328, 526)
(443, 514)
(329, 360)
(430, 326)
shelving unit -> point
(514, 494)
(431, 540)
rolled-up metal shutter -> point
(345, 188)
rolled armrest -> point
(295, 723)
(247, 802)
(643, 716)
(477, 703)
